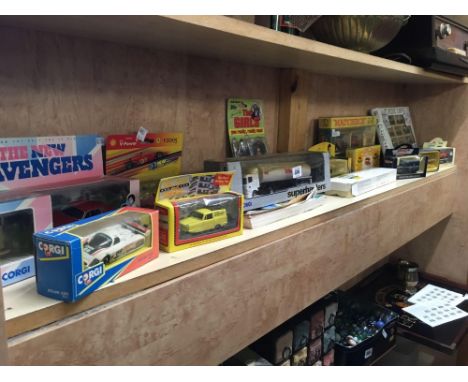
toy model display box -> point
(272, 179)
(76, 259)
(77, 200)
(364, 331)
(20, 217)
(363, 158)
(407, 161)
(155, 157)
(197, 209)
(38, 162)
(347, 132)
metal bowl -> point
(361, 33)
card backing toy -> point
(196, 209)
(156, 156)
(246, 127)
(78, 258)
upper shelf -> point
(230, 39)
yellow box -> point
(433, 159)
(364, 157)
(197, 209)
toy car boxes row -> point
(20, 217)
(271, 179)
(66, 175)
(76, 259)
(197, 209)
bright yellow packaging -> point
(363, 158)
(196, 209)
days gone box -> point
(76, 259)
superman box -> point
(76, 259)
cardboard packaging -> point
(357, 183)
(74, 260)
(20, 217)
(347, 132)
(278, 178)
(363, 158)
(196, 209)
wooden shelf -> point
(230, 39)
(237, 289)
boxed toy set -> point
(271, 179)
(363, 158)
(446, 154)
(246, 127)
(407, 161)
(337, 166)
(357, 183)
(74, 260)
(20, 217)
(197, 209)
(347, 132)
(150, 159)
(395, 127)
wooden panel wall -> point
(52, 84)
(312, 96)
(443, 111)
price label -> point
(141, 134)
(297, 172)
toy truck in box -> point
(277, 178)
(267, 179)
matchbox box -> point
(76, 259)
(197, 209)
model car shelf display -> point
(271, 179)
(196, 209)
(76, 259)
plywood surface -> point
(442, 111)
(208, 315)
(55, 85)
(229, 39)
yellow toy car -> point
(204, 219)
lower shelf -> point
(237, 289)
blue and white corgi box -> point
(76, 259)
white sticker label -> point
(141, 135)
(384, 333)
(335, 133)
(297, 172)
(368, 353)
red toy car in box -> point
(79, 210)
(143, 158)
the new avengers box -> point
(76, 259)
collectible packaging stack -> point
(149, 159)
(446, 154)
(347, 132)
(196, 209)
(66, 175)
(278, 178)
(76, 259)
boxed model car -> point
(76, 259)
(197, 209)
(271, 179)
(20, 217)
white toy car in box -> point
(76, 259)
(114, 242)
